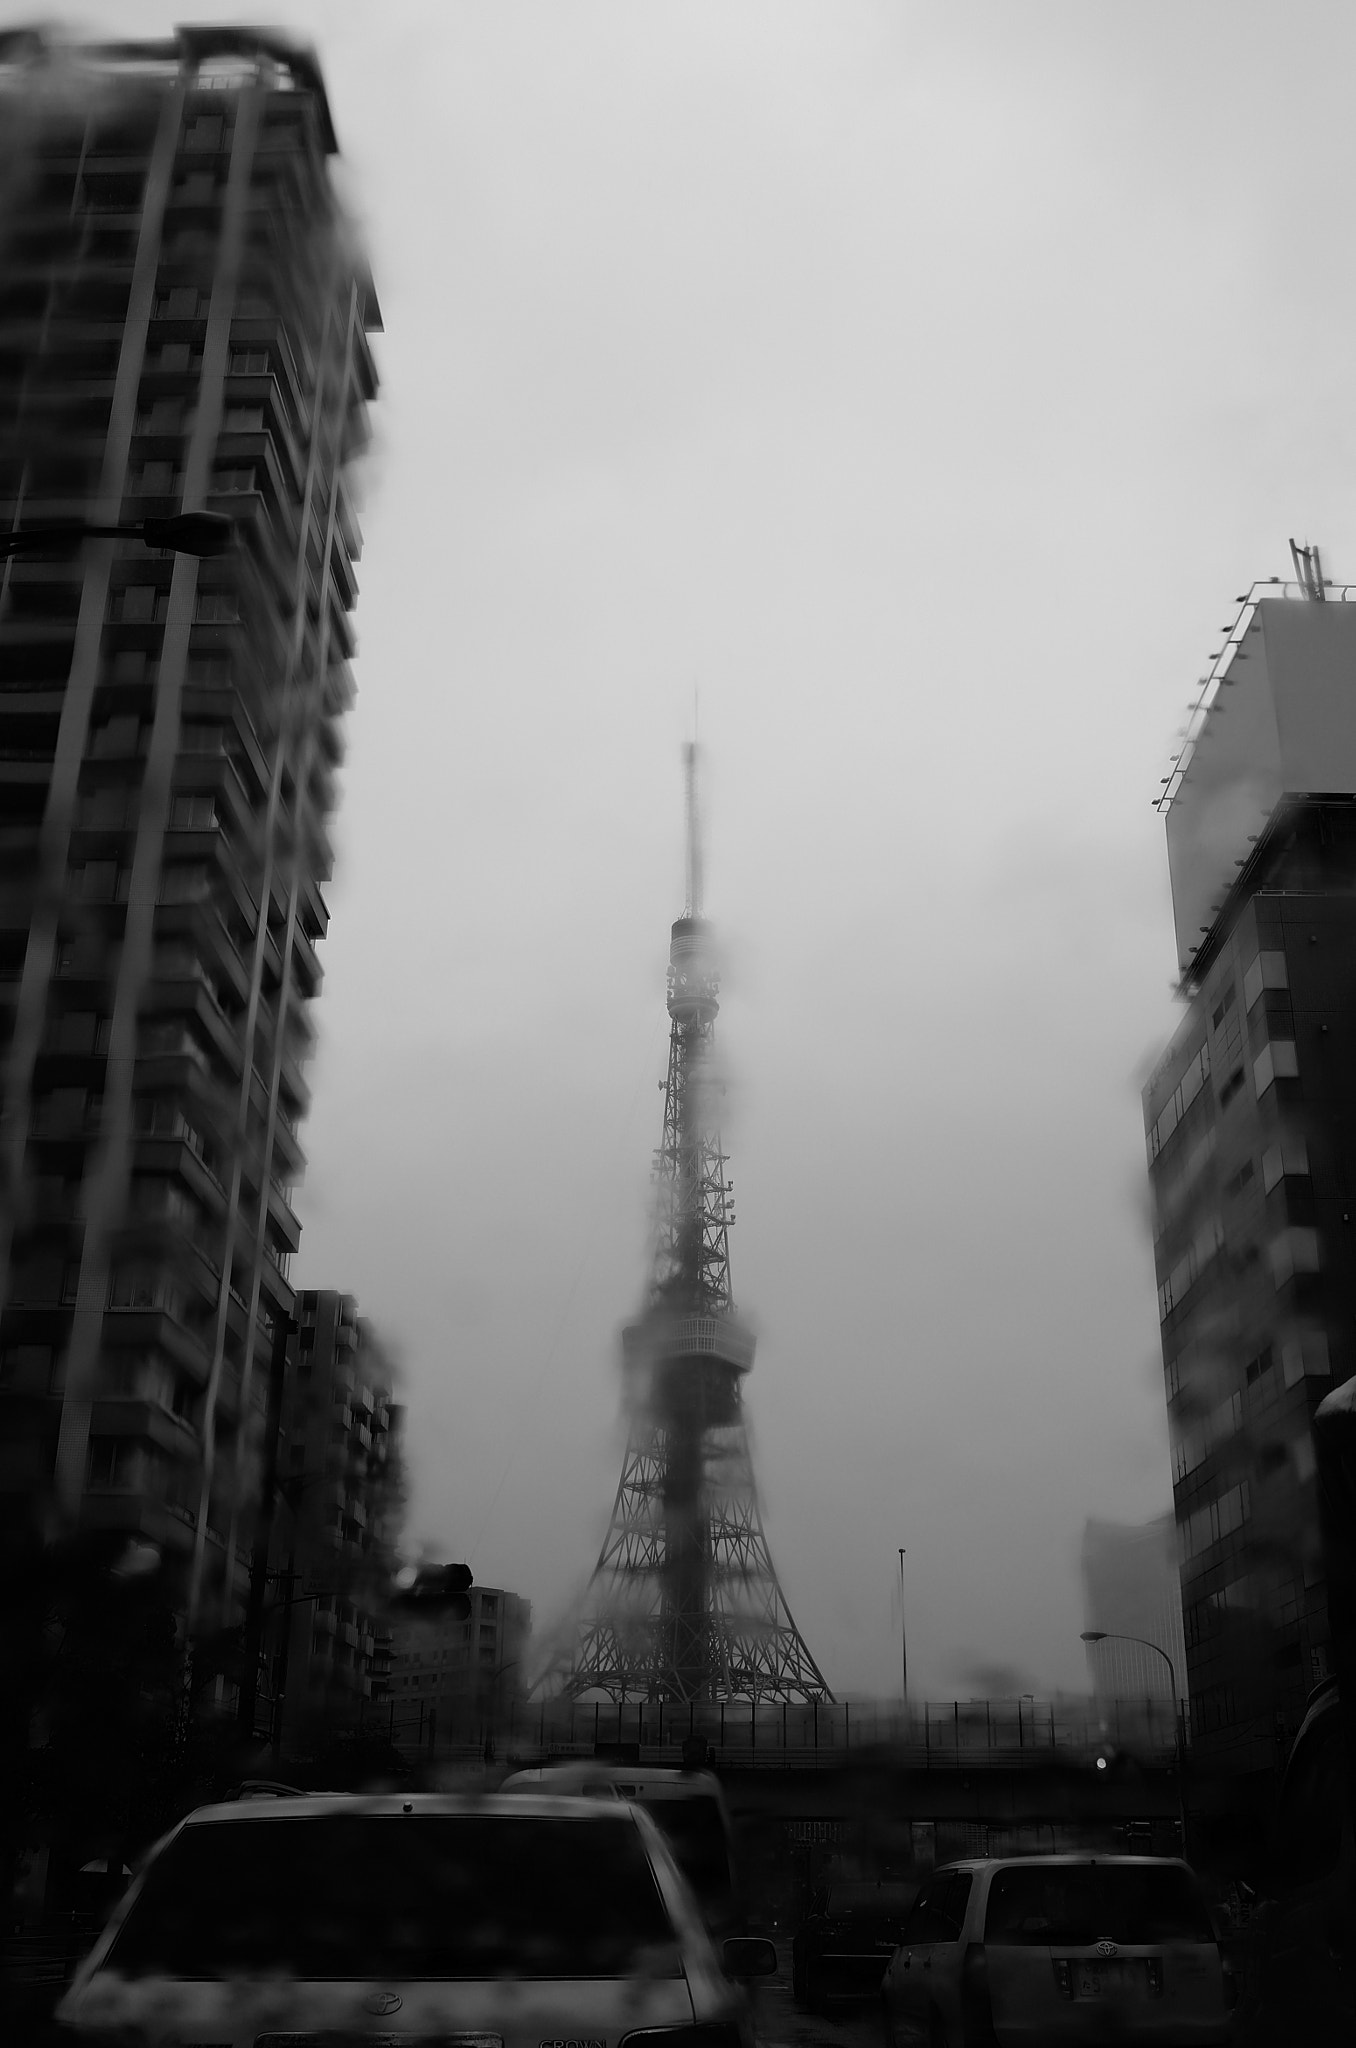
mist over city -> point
(676, 776)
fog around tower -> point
(914, 382)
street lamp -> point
(1102, 1635)
(185, 533)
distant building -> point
(183, 326)
(1250, 1121)
(336, 1525)
(456, 1681)
(1131, 1588)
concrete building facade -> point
(336, 1524)
(455, 1681)
(1250, 1122)
(183, 325)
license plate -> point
(1111, 1980)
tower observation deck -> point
(684, 1603)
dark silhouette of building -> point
(1251, 1129)
(183, 325)
(335, 1526)
(1131, 1588)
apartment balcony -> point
(135, 1417)
(145, 1329)
(283, 1218)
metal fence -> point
(738, 1731)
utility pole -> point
(903, 1638)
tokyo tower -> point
(684, 1603)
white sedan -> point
(514, 1922)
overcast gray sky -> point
(920, 384)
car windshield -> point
(1073, 1905)
(353, 1896)
(696, 1835)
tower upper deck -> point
(694, 985)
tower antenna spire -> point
(694, 835)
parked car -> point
(1059, 1948)
(847, 1938)
(690, 1810)
(525, 1920)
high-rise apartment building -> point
(183, 326)
(334, 1526)
(1251, 1130)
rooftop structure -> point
(183, 326)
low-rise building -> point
(455, 1680)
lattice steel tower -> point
(684, 1603)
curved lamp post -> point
(1102, 1635)
(186, 533)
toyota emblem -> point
(381, 2002)
(1104, 1948)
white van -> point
(689, 1808)
(1045, 1949)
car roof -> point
(1059, 1859)
(663, 1781)
(410, 1805)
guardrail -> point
(1003, 1733)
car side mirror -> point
(747, 1955)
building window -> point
(1305, 1356)
(1190, 1266)
(1183, 1095)
(1268, 970)
(113, 1463)
(1295, 1250)
(1231, 1088)
(1257, 1366)
(1289, 1157)
(1215, 1520)
(1275, 1062)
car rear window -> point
(390, 1895)
(1075, 1905)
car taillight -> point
(712, 2034)
(1063, 1977)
